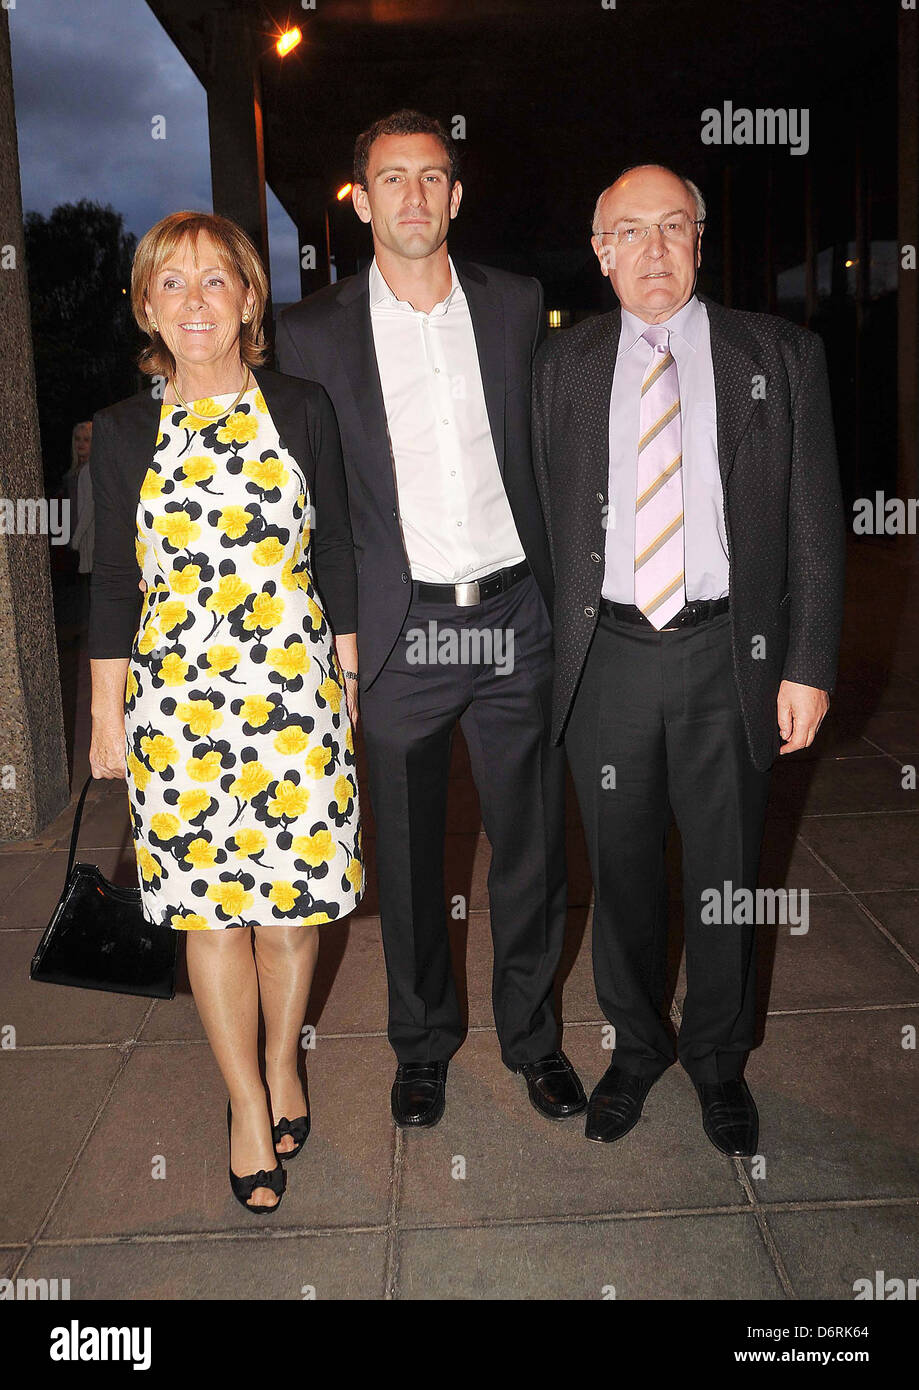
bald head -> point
(654, 275)
(697, 202)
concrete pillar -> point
(235, 126)
(311, 234)
(34, 779)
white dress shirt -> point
(705, 546)
(456, 520)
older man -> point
(686, 461)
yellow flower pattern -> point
(239, 749)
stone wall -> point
(34, 780)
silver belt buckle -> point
(466, 594)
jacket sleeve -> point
(816, 531)
(333, 547)
(540, 439)
(288, 358)
(115, 601)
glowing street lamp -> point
(288, 40)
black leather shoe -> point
(554, 1086)
(615, 1104)
(729, 1117)
(418, 1094)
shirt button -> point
(394, 511)
(459, 523)
(599, 496)
(452, 472)
(404, 577)
(445, 422)
(437, 371)
(595, 557)
(589, 612)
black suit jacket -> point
(329, 337)
(124, 439)
(783, 506)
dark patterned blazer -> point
(124, 439)
(783, 504)
(329, 337)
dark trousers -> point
(657, 714)
(408, 716)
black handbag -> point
(98, 937)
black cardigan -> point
(124, 440)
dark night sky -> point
(88, 76)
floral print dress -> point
(240, 753)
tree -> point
(84, 335)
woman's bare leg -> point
(224, 982)
(286, 959)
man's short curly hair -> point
(405, 122)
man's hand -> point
(800, 711)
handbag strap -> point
(76, 826)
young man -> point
(428, 365)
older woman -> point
(221, 693)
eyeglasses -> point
(674, 229)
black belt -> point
(699, 611)
(472, 591)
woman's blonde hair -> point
(73, 441)
(154, 250)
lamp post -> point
(330, 259)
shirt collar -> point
(686, 323)
(381, 294)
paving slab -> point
(658, 1258)
(48, 1101)
(880, 851)
(899, 913)
(826, 1251)
(333, 1265)
(833, 786)
(836, 1098)
(169, 1109)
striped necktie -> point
(660, 590)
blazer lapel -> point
(597, 385)
(487, 316)
(734, 363)
(354, 343)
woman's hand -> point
(143, 586)
(346, 652)
(351, 700)
(106, 752)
